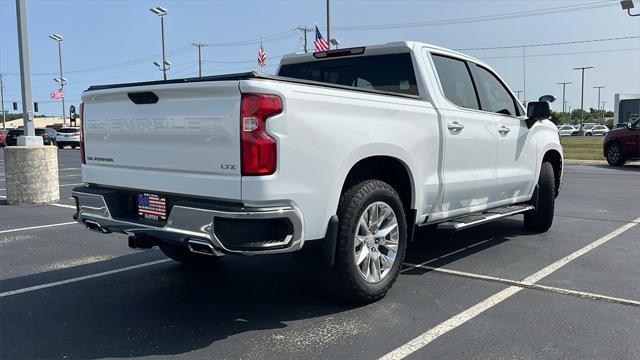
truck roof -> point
(380, 49)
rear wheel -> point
(588, 134)
(60, 146)
(73, 146)
(372, 240)
(615, 156)
(182, 255)
(541, 218)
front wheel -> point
(541, 218)
(615, 156)
(182, 255)
(372, 240)
(60, 146)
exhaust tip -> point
(94, 226)
(201, 247)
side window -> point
(497, 96)
(456, 81)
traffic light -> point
(15, 105)
(35, 107)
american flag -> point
(152, 206)
(321, 44)
(262, 57)
(57, 94)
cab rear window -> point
(389, 73)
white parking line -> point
(553, 289)
(37, 227)
(444, 327)
(68, 169)
(63, 205)
(81, 278)
(61, 185)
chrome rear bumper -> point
(100, 209)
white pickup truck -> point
(344, 153)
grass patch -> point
(582, 148)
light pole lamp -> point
(334, 42)
(161, 12)
(628, 5)
(582, 69)
(58, 38)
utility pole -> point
(305, 30)
(4, 116)
(598, 103)
(328, 25)
(582, 69)
(564, 85)
(518, 94)
(602, 111)
(199, 45)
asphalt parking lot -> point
(491, 292)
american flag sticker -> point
(152, 206)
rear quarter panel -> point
(323, 132)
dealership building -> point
(627, 108)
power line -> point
(466, 20)
(550, 44)
(560, 54)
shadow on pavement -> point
(429, 245)
(169, 309)
(627, 167)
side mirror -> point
(629, 125)
(536, 111)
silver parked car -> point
(597, 130)
(566, 130)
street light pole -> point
(328, 24)
(164, 57)
(564, 85)
(4, 116)
(58, 38)
(582, 69)
(160, 11)
(598, 106)
(25, 75)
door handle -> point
(503, 130)
(455, 126)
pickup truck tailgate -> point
(178, 138)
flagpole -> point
(328, 26)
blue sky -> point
(117, 41)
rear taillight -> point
(259, 149)
(84, 161)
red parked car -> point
(3, 138)
(622, 144)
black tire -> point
(345, 280)
(614, 154)
(60, 146)
(588, 134)
(73, 147)
(182, 255)
(541, 218)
